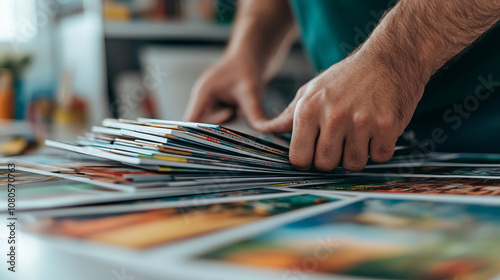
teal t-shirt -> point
(331, 29)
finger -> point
(252, 109)
(305, 132)
(382, 149)
(356, 144)
(383, 143)
(329, 148)
(222, 115)
(198, 106)
(282, 123)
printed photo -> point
(458, 171)
(147, 229)
(415, 185)
(378, 239)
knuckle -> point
(354, 161)
(324, 159)
(306, 89)
(298, 161)
(336, 118)
(305, 112)
(386, 124)
(302, 90)
(311, 86)
(323, 151)
(382, 154)
(360, 121)
(314, 88)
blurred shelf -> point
(181, 30)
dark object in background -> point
(16, 65)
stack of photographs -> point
(178, 147)
(155, 155)
(175, 200)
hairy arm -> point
(264, 32)
(416, 38)
(361, 105)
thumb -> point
(282, 123)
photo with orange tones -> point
(149, 228)
(376, 239)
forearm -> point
(416, 37)
(263, 32)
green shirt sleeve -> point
(331, 29)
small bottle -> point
(6, 94)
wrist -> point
(243, 57)
(410, 67)
(403, 78)
(401, 47)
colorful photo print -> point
(146, 229)
(414, 185)
(378, 239)
(439, 170)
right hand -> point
(233, 86)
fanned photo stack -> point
(183, 154)
(180, 147)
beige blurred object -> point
(116, 10)
(70, 109)
(13, 147)
(6, 94)
(65, 90)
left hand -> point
(358, 107)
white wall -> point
(81, 51)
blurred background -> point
(68, 62)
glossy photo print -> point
(415, 185)
(436, 170)
(376, 239)
(151, 228)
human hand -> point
(231, 86)
(358, 107)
